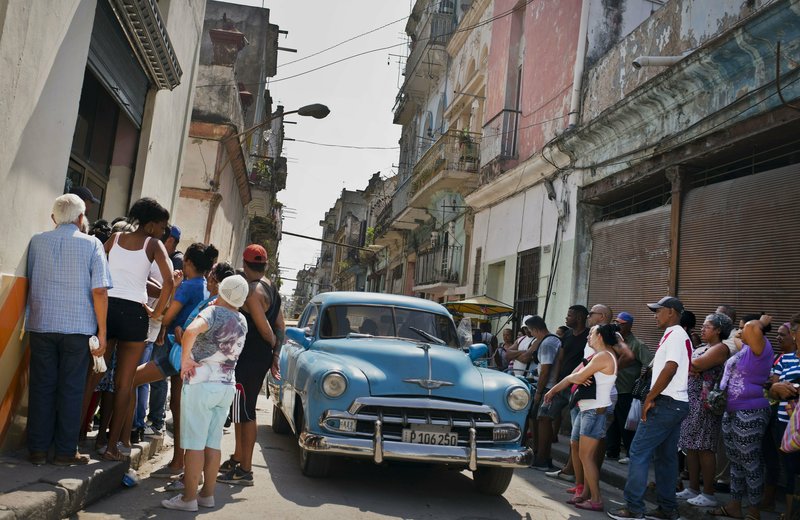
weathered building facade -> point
(95, 93)
(225, 163)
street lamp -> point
(315, 110)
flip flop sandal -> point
(590, 506)
(115, 457)
(721, 511)
(576, 500)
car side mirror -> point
(478, 351)
(300, 336)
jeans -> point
(143, 391)
(617, 431)
(658, 436)
(58, 367)
(158, 396)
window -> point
(309, 318)
(526, 300)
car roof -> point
(370, 298)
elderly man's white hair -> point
(67, 208)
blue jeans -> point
(143, 391)
(658, 436)
(158, 396)
(58, 367)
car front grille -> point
(395, 418)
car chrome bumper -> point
(379, 450)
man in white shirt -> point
(521, 361)
(663, 410)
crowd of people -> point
(709, 409)
(162, 321)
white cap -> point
(525, 320)
(234, 290)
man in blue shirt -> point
(68, 280)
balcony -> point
(438, 268)
(450, 164)
(428, 55)
(499, 144)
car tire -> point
(492, 481)
(314, 465)
(279, 423)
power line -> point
(354, 147)
(327, 241)
(344, 41)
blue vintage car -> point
(384, 377)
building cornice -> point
(147, 34)
(224, 133)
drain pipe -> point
(580, 60)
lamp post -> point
(315, 110)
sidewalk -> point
(615, 474)
(53, 492)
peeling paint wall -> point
(678, 27)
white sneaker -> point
(205, 501)
(177, 503)
(150, 431)
(121, 448)
(703, 500)
(687, 494)
(624, 460)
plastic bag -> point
(99, 361)
(634, 415)
(464, 332)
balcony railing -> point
(500, 136)
(441, 264)
(455, 150)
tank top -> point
(129, 272)
(605, 383)
(256, 349)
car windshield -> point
(339, 321)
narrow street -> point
(355, 490)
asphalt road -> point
(356, 489)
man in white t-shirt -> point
(522, 367)
(663, 410)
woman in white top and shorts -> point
(130, 255)
(592, 418)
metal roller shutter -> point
(630, 267)
(737, 246)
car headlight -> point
(518, 399)
(334, 384)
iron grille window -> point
(476, 278)
(526, 300)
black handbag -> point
(583, 392)
(641, 387)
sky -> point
(360, 93)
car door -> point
(307, 321)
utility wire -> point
(343, 42)
(354, 147)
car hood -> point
(396, 367)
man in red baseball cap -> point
(265, 332)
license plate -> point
(430, 437)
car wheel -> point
(492, 481)
(279, 423)
(314, 465)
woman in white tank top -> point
(591, 421)
(130, 255)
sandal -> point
(589, 505)
(577, 499)
(721, 511)
(575, 490)
(115, 457)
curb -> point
(52, 492)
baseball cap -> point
(625, 317)
(234, 290)
(669, 302)
(525, 320)
(84, 193)
(255, 254)
(175, 232)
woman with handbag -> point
(746, 417)
(701, 429)
(784, 387)
(591, 423)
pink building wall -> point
(550, 31)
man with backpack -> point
(545, 356)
